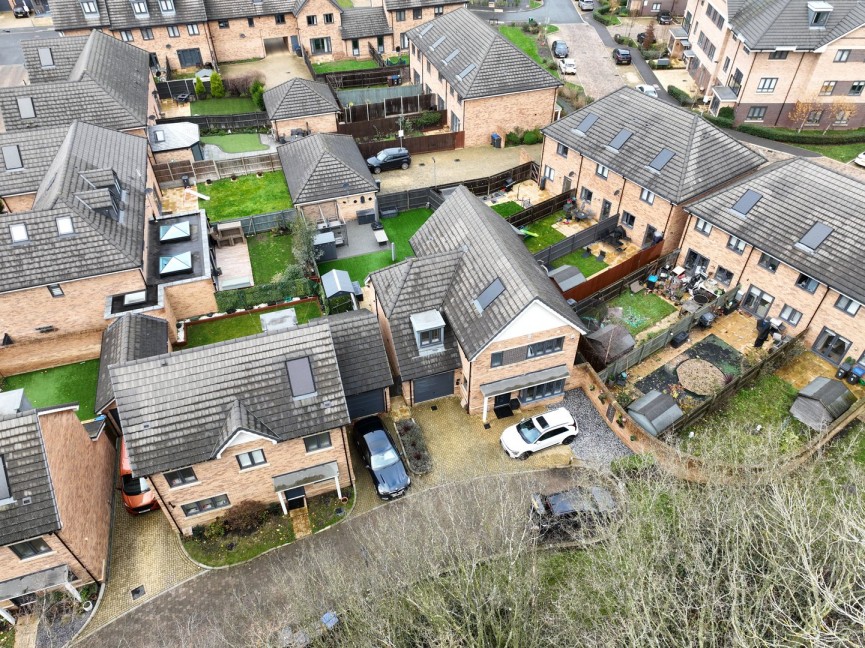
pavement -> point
(12, 32)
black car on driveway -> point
(21, 11)
(622, 56)
(560, 49)
(665, 18)
(389, 158)
(381, 458)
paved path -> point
(225, 602)
(11, 35)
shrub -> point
(198, 531)
(532, 137)
(726, 112)
(199, 88)
(680, 95)
(214, 530)
(512, 139)
(246, 517)
(416, 451)
(217, 87)
(256, 91)
(241, 86)
(427, 119)
(722, 122)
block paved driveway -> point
(596, 71)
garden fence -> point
(170, 89)
(391, 107)
(393, 203)
(659, 342)
(258, 223)
(633, 265)
(171, 173)
(376, 95)
(616, 288)
(387, 126)
(222, 122)
(576, 241)
(416, 145)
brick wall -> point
(82, 472)
(314, 124)
(192, 298)
(526, 110)
(848, 326)
(224, 476)
(387, 336)
(349, 206)
(319, 8)
(240, 41)
(19, 203)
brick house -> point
(482, 80)
(638, 159)
(793, 246)
(258, 418)
(405, 15)
(56, 493)
(95, 79)
(327, 177)
(177, 142)
(473, 315)
(92, 246)
(761, 57)
(301, 104)
(654, 7)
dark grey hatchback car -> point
(389, 158)
(381, 458)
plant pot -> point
(208, 181)
(343, 499)
(87, 606)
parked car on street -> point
(860, 159)
(586, 5)
(622, 56)
(560, 49)
(530, 435)
(567, 66)
(648, 90)
(381, 458)
(21, 12)
(389, 158)
(561, 514)
(665, 18)
(137, 496)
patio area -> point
(179, 201)
(235, 265)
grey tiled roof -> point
(360, 351)
(130, 337)
(414, 286)
(796, 195)
(499, 67)
(64, 52)
(219, 9)
(99, 244)
(180, 135)
(703, 156)
(767, 24)
(394, 5)
(491, 250)
(174, 407)
(37, 148)
(67, 14)
(27, 470)
(185, 11)
(299, 98)
(323, 167)
(360, 22)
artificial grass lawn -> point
(348, 65)
(239, 143)
(224, 106)
(231, 328)
(642, 310)
(269, 253)
(358, 267)
(233, 548)
(506, 209)
(59, 385)
(546, 234)
(246, 196)
(841, 152)
(7, 635)
(587, 266)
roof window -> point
(25, 108)
(159, 136)
(166, 6)
(12, 157)
(746, 203)
(64, 225)
(170, 265)
(18, 232)
(489, 295)
(584, 126)
(818, 14)
(429, 331)
(661, 160)
(174, 232)
(300, 378)
(469, 69)
(620, 139)
(450, 57)
(439, 41)
(5, 490)
(813, 238)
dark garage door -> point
(366, 404)
(435, 386)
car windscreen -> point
(383, 459)
(134, 485)
(528, 431)
(381, 156)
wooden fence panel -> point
(614, 273)
(378, 127)
(415, 145)
(576, 241)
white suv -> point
(530, 435)
(586, 5)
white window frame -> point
(851, 307)
(126, 35)
(173, 31)
(842, 56)
(767, 85)
(790, 315)
(18, 232)
(736, 244)
(647, 196)
(255, 458)
(192, 29)
(703, 226)
(602, 171)
(827, 88)
(64, 225)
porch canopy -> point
(508, 385)
(305, 477)
(36, 582)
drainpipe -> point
(621, 197)
(669, 216)
(347, 458)
(823, 299)
(469, 390)
(795, 74)
(72, 553)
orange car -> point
(138, 498)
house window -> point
(311, 21)
(842, 117)
(715, 16)
(146, 33)
(647, 196)
(317, 442)
(25, 108)
(250, 22)
(181, 477)
(428, 67)
(818, 18)
(379, 42)
(497, 359)
(586, 194)
(841, 56)
(703, 226)
(400, 15)
(545, 390)
(549, 173)
(656, 6)
(5, 491)
(756, 113)
(251, 459)
(736, 244)
(856, 88)
(166, 6)
(847, 305)
(726, 63)
(778, 56)
(790, 314)
(706, 45)
(403, 39)
(439, 10)
(192, 30)
(545, 348)
(46, 59)
(174, 32)
(807, 283)
(320, 45)
(417, 13)
(328, 19)
(18, 231)
(355, 47)
(430, 338)
(767, 84)
(736, 82)
(64, 225)
(30, 548)
(279, 19)
(55, 290)
(205, 505)
(89, 8)
(757, 302)
(139, 8)
(628, 219)
(126, 36)
(724, 276)
(814, 117)
(601, 170)
(223, 24)
(827, 88)
(562, 150)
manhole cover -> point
(434, 408)
(138, 592)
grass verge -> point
(348, 65)
(841, 152)
(224, 106)
(527, 43)
(269, 254)
(642, 310)
(238, 143)
(231, 328)
(246, 196)
(59, 385)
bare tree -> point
(803, 109)
(841, 111)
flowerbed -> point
(416, 451)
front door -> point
(606, 208)
(295, 498)
(566, 184)
(295, 44)
(831, 346)
(502, 400)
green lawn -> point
(240, 143)
(403, 227)
(246, 196)
(348, 65)
(323, 509)
(587, 266)
(841, 152)
(528, 43)
(269, 253)
(358, 267)
(241, 326)
(59, 385)
(641, 311)
(233, 548)
(225, 106)
(546, 235)
(345, 4)
(7, 635)
(506, 209)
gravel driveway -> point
(596, 444)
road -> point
(10, 42)
(555, 12)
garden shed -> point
(338, 283)
(606, 345)
(655, 412)
(821, 402)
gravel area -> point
(61, 632)
(596, 444)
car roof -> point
(559, 416)
(368, 424)
(622, 50)
(576, 500)
(569, 61)
(396, 149)
(377, 441)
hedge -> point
(227, 300)
(605, 19)
(805, 137)
(680, 95)
(722, 122)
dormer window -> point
(818, 14)
(429, 331)
(166, 6)
(139, 8)
(90, 9)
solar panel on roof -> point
(661, 159)
(583, 127)
(439, 41)
(620, 139)
(450, 57)
(746, 203)
(489, 294)
(814, 237)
